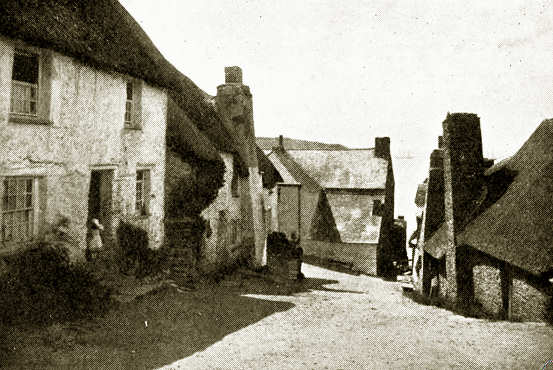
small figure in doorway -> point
(95, 242)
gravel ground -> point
(358, 322)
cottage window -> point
(18, 209)
(142, 192)
(132, 105)
(128, 105)
(25, 78)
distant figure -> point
(297, 253)
(95, 242)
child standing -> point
(95, 242)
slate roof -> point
(517, 227)
(103, 34)
(268, 143)
(346, 169)
(291, 172)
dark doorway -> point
(100, 201)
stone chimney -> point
(234, 105)
(435, 194)
(382, 147)
(463, 176)
(440, 142)
(233, 75)
(281, 142)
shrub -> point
(136, 257)
(43, 286)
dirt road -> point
(357, 322)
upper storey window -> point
(25, 83)
(132, 105)
(129, 105)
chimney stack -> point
(463, 177)
(382, 147)
(435, 194)
(281, 141)
(463, 163)
(233, 75)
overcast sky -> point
(347, 71)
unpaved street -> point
(345, 321)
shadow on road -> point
(330, 265)
(152, 331)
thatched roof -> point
(184, 138)
(103, 34)
(517, 221)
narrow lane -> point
(360, 322)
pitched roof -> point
(291, 172)
(517, 226)
(103, 34)
(436, 243)
(270, 174)
(268, 143)
(349, 169)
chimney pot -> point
(382, 147)
(233, 75)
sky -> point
(349, 71)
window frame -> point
(142, 205)
(34, 208)
(135, 111)
(43, 86)
(37, 85)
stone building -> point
(486, 240)
(345, 201)
(83, 105)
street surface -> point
(343, 321)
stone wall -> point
(84, 131)
(528, 302)
(289, 209)
(487, 289)
(222, 215)
(361, 256)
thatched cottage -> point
(486, 238)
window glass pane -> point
(129, 90)
(139, 175)
(25, 67)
